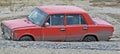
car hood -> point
(18, 23)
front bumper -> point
(6, 36)
(6, 32)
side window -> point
(56, 20)
(83, 20)
(74, 19)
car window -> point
(56, 20)
(37, 16)
(82, 20)
(74, 19)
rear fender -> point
(88, 34)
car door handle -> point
(62, 29)
(85, 28)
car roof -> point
(61, 9)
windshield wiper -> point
(30, 19)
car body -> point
(53, 23)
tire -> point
(89, 39)
(26, 38)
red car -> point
(53, 23)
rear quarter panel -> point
(103, 32)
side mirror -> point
(47, 24)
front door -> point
(56, 28)
(75, 27)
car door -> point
(76, 27)
(55, 30)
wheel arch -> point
(91, 35)
(27, 35)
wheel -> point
(26, 38)
(89, 39)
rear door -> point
(55, 31)
(76, 27)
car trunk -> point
(100, 22)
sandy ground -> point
(104, 9)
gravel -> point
(53, 51)
(109, 46)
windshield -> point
(37, 16)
